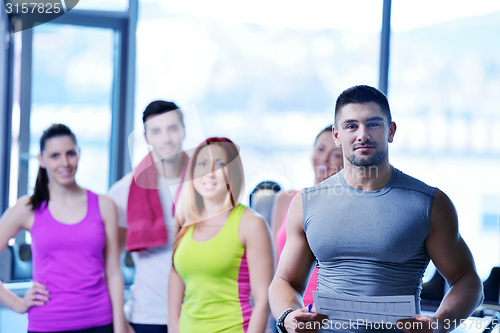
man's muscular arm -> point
(454, 261)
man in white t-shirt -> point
(146, 215)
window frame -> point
(123, 23)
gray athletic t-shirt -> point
(369, 243)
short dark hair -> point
(363, 94)
(160, 107)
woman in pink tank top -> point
(77, 281)
(327, 161)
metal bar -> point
(24, 134)
(130, 84)
(115, 153)
(385, 37)
(123, 98)
(24, 128)
(94, 18)
(6, 89)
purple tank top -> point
(69, 260)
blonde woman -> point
(223, 251)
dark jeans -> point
(100, 329)
(141, 328)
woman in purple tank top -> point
(77, 281)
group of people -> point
(205, 263)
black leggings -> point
(100, 329)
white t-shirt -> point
(149, 302)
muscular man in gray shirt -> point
(371, 228)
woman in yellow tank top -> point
(222, 252)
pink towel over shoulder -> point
(145, 219)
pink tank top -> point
(280, 242)
(69, 260)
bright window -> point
(266, 74)
(443, 88)
(73, 86)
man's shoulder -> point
(329, 183)
(121, 186)
(411, 183)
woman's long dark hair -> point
(41, 191)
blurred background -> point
(266, 74)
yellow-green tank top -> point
(216, 279)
